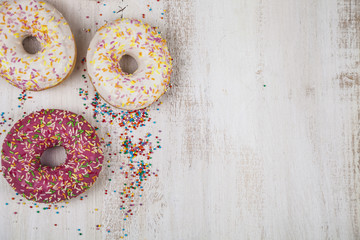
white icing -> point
(22, 18)
(140, 41)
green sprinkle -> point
(87, 175)
(84, 165)
(21, 127)
(29, 183)
(36, 136)
(70, 174)
(52, 110)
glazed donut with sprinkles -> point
(31, 136)
(146, 46)
(20, 19)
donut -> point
(31, 136)
(140, 41)
(20, 19)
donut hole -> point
(31, 45)
(53, 157)
(128, 64)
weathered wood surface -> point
(260, 132)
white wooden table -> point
(260, 131)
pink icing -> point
(31, 136)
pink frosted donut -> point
(31, 136)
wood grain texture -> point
(260, 131)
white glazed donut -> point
(146, 46)
(20, 19)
